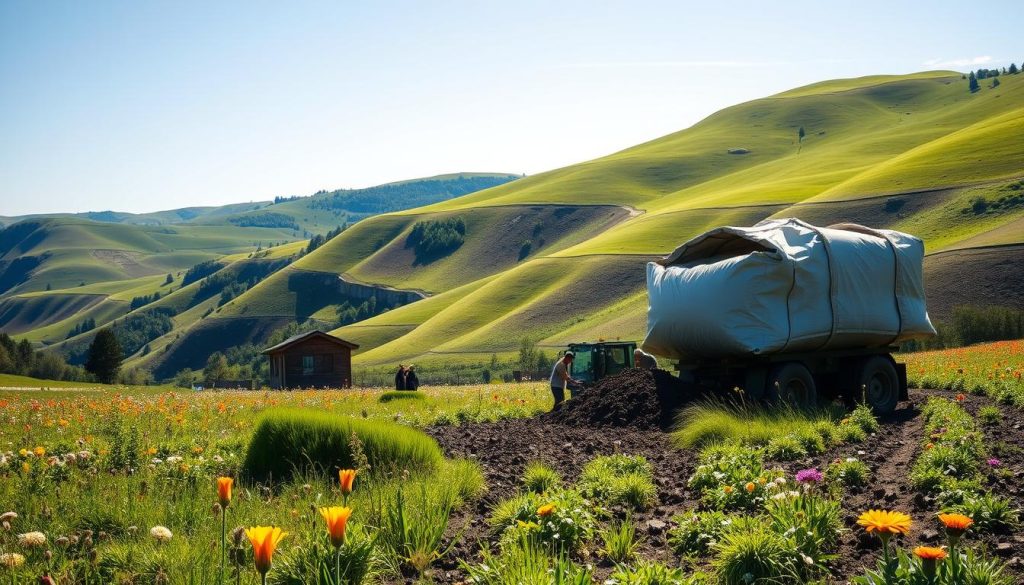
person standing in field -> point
(400, 378)
(643, 360)
(560, 378)
(412, 382)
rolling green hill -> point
(910, 152)
(59, 272)
(560, 256)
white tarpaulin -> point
(786, 286)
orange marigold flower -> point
(929, 553)
(956, 522)
(224, 490)
(727, 489)
(930, 446)
(264, 540)
(346, 477)
(751, 487)
(885, 522)
(337, 523)
(545, 510)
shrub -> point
(400, 395)
(314, 561)
(754, 553)
(647, 573)
(990, 415)
(864, 418)
(696, 533)
(565, 528)
(526, 562)
(850, 472)
(540, 478)
(990, 513)
(620, 541)
(619, 480)
(290, 440)
(785, 448)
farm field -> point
(457, 484)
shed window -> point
(307, 365)
(325, 363)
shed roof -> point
(301, 337)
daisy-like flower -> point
(34, 539)
(885, 523)
(161, 534)
(956, 525)
(751, 487)
(546, 510)
(930, 556)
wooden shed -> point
(311, 360)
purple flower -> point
(994, 462)
(809, 476)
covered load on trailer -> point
(785, 286)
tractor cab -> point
(594, 361)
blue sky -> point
(141, 106)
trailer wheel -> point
(792, 383)
(879, 384)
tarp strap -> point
(895, 284)
(789, 312)
(831, 285)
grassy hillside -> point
(917, 152)
(59, 271)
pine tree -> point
(1013, 69)
(995, 82)
(801, 133)
(973, 83)
(105, 356)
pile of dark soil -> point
(640, 399)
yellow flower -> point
(12, 560)
(346, 477)
(264, 540)
(337, 523)
(224, 490)
(751, 487)
(545, 510)
(727, 489)
(39, 451)
(884, 522)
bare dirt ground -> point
(505, 448)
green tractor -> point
(594, 361)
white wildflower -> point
(160, 533)
(32, 539)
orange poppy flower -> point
(264, 540)
(346, 477)
(224, 490)
(337, 523)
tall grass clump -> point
(294, 440)
(540, 478)
(393, 395)
(716, 421)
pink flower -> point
(994, 462)
(809, 476)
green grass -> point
(290, 441)
(14, 381)
(713, 422)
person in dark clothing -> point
(400, 378)
(412, 382)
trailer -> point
(788, 311)
(869, 375)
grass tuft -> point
(290, 440)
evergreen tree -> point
(216, 368)
(105, 356)
(169, 279)
(801, 133)
(973, 82)
(1013, 69)
(995, 82)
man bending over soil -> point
(560, 378)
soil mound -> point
(640, 399)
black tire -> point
(792, 383)
(878, 385)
